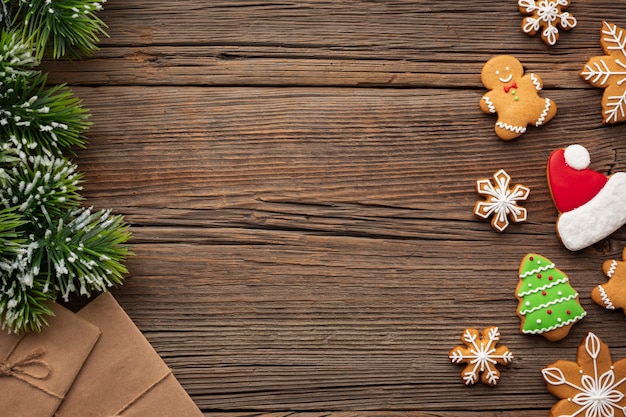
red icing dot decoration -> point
(549, 311)
(543, 293)
(532, 258)
(539, 276)
(550, 277)
(569, 312)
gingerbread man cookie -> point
(612, 295)
(513, 96)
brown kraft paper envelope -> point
(37, 369)
(124, 376)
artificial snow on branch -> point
(59, 27)
(50, 246)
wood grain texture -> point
(300, 178)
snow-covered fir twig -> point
(50, 246)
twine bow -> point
(29, 366)
(26, 366)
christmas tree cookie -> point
(548, 305)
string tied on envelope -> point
(29, 366)
(134, 400)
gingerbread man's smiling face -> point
(500, 71)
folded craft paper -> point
(124, 376)
(37, 369)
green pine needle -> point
(49, 245)
(42, 188)
(35, 117)
(60, 26)
(15, 56)
(25, 309)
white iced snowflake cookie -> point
(593, 386)
(546, 16)
(609, 72)
(481, 354)
(501, 200)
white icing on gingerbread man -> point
(513, 96)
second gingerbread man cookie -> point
(513, 96)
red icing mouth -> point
(571, 188)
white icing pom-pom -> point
(577, 157)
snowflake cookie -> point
(609, 72)
(481, 356)
(514, 97)
(546, 15)
(593, 386)
(501, 200)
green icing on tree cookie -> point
(546, 299)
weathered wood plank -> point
(305, 239)
(315, 248)
(356, 43)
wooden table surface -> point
(300, 180)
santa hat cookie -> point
(591, 205)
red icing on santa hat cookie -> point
(571, 182)
(592, 205)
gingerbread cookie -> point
(591, 205)
(501, 200)
(593, 386)
(612, 295)
(546, 15)
(480, 354)
(609, 72)
(513, 96)
(548, 305)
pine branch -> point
(49, 245)
(60, 27)
(35, 117)
(42, 188)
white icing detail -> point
(612, 268)
(548, 304)
(536, 271)
(548, 15)
(501, 201)
(535, 81)
(616, 108)
(516, 129)
(577, 157)
(490, 105)
(597, 218)
(543, 287)
(481, 356)
(507, 79)
(600, 72)
(544, 113)
(605, 298)
(598, 393)
(556, 326)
